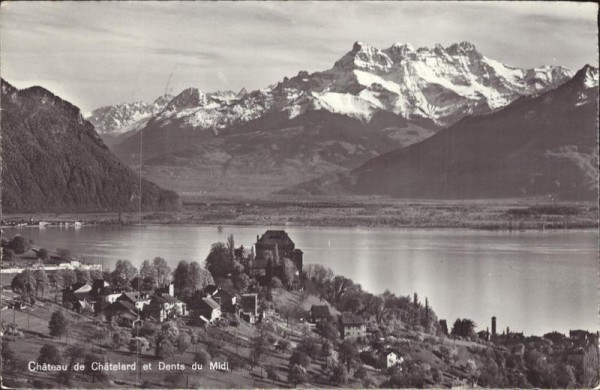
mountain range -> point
(438, 85)
(369, 103)
(542, 145)
(442, 122)
(54, 161)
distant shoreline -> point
(500, 215)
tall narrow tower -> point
(494, 326)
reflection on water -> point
(532, 281)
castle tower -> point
(494, 326)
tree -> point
(170, 331)
(146, 283)
(202, 357)
(259, 345)
(297, 375)
(180, 278)
(120, 339)
(299, 358)
(219, 261)
(68, 277)
(41, 281)
(276, 282)
(348, 353)
(96, 375)
(25, 285)
(82, 275)
(283, 346)
(164, 349)
(43, 254)
(138, 344)
(360, 372)
(241, 282)
(96, 274)
(8, 355)
(565, 375)
(189, 278)
(272, 374)
(328, 330)
(162, 270)
(310, 345)
(183, 342)
(18, 244)
(340, 374)
(7, 254)
(288, 272)
(326, 348)
(147, 270)
(123, 274)
(231, 247)
(318, 273)
(463, 327)
(56, 279)
(148, 330)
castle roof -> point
(272, 237)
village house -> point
(124, 312)
(249, 308)
(136, 298)
(77, 297)
(319, 313)
(205, 310)
(352, 326)
(164, 307)
(226, 300)
(286, 248)
(392, 358)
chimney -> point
(494, 326)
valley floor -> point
(507, 214)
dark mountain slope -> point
(538, 145)
(53, 160)
(266, 154)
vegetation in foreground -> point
(282, 349)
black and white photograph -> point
(299, 194)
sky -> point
(101, 53)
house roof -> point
(223, 295)
(210, 289)
(83, 296)
(165, 298)
(320, 310)
(98, 284)
(351, 319)
(211, 303)
(249, 303)
(134, 296)
(121, 307)
(272, 237)
(80, 287)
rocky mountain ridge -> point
(436, 85)
(54, 161)
(540, 145)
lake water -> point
(533, 282)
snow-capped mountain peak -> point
(439, 84)
(589, 76)
(124, 117)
